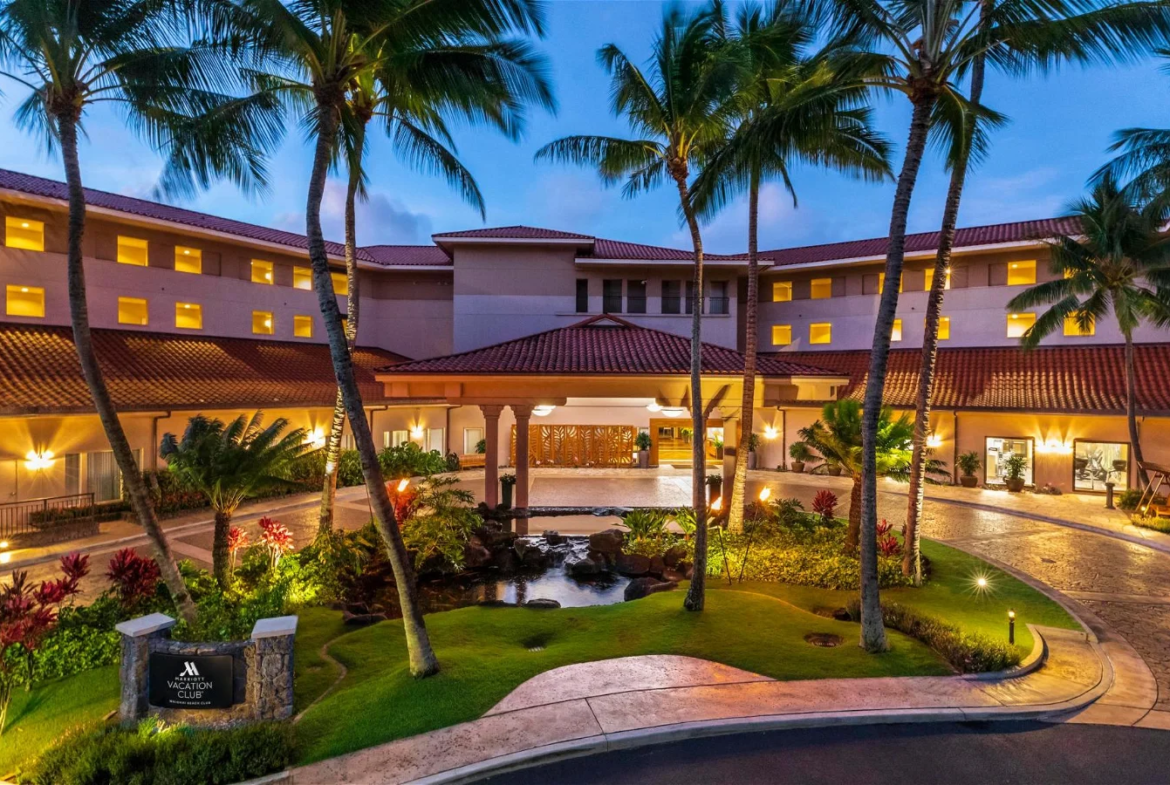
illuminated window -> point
(340, 284)
(1019, 323)
(1073, 329)
(782, 291)
(132, 310)
(261, 271)
(882, 282)
(302, 278)
(262, 322)
(1021, 273)
(821, 332)
(132, 250)
(822, 288)
(24, 233)
(188, 260)
(944, 328)
(25, 301)
(303, 326)
(781, 334)
(896, 334)
(930, 279)
(189, 316)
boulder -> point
(673, 575)
(657, 565)
(644, 587)
(608, 541)
(531, 556)
(604, 561)
(674, 555)
(505, 560)
(632, 564)
(554, 538)
(686, 568)
(584, 568)
(542, 603)
(475, 555)
(494, 536)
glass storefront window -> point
(998, 451)
(1096, 463)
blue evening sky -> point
(1059, 131)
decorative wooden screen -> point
(579, 445)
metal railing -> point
(36, 516)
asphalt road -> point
(955, 754)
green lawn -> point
(37, 718)
(314, 673)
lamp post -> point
(1012, 627)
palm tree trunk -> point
(873, 634)
(747, 409)
(333, 450)
(220, 554)
(422, 658)
(911, 551)
(853, 532)
(1135, 445)
(103, 404)
(696, 594)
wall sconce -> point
(544, 410)
(315, 438)
(934, 440)
(416, 431)
(1054, 447)
(770, 432)
(38, 461)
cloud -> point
(780, 225)
(380, 219)
(1035, 193)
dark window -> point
(635, 297)
(611, 295)
(582, 295)
(690, 299)
(720, 302)
(672, 296)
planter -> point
(1015, 486)
(797, 466)
(968, 480)
(718, 453)
(834, 471)
(506, 494)
(643, 459)
(751, 460)
(714, 491)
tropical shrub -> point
(453, 464)
(83, 639)
(801, 452)
(887, 543)
(135, 578)
(156, 752)
(1128, 500)
(410, 460)
(440, 524)
(824, 504)
(642, 441)
(276, 539)
(648, 535)
(969, 463)
(481, 447)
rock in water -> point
(644, 587)
(608, 541)
(542, 603)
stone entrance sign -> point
(209, 684)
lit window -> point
(24, 233)
(189, 316)
(822, 288)
(132, 310)
(132, 250)
(25, 301)
(896, 334)
(262, 322)
(303, 326)
(930, 279)
(261, 271)
(781, 334)
(882, 282)
(821, 332)
(399, 438)
(302, 278)
(1019, 323)
(1021, 273)
(188, 260)
(340, 284)
(944, 328)
(1073, 329)
(782, 291)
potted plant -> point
(507, 482)
(833, 468)
(717, 443)
(642, 442)
(714, 487)
(686, 434)
(800, 453)
(753, 443)
(969, 464)
(1015, 465)
(481, 447)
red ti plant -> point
(887, 543)
(237, 538)
(27, 614)
(134, 577)
(276, 538)
(825, 504)
(404, 497)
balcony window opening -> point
(821, 288)
(24, 233)
(25, 301)
(882, 283)
(1073, 329)
(262, 271)
(611, 295)
(635, 296)
(944, 328)
(672, 297)
(188, 260)
(720, 302)
(782, 292)
(896, 333)
(262, 323)
(303, 278)
(582, 304)
(782, 335)
(1098, 463)
(340, 284)
(1019, 323)
(132, 310)
(188, 316)
(930, 279)
(132, 250)
(1021, 273)
(820, 333)
(303, 326)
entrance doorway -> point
(672, 439)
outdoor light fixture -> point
(315, 438)
(5, 557)
(416, 431)
(717, 505)
(403, 485)
(981, 582)
(3, 545)
(765, 493)
(1011, 626)
(654, 407)
(673, 411)
(37, 461)
(1054, 447)
(934, 440)
(770, 432)
(544, 410)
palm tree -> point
(230, 463)
(1119, 263)
(1041, 37)
(313, 42)
(791, 108)
(72, 54)
(676, 109)
(397, 95)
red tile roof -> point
(994, 234)
(412, 255)
(513, 233)
(1080, 379)
(616, 249)
(39, 372)
(600, 345)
